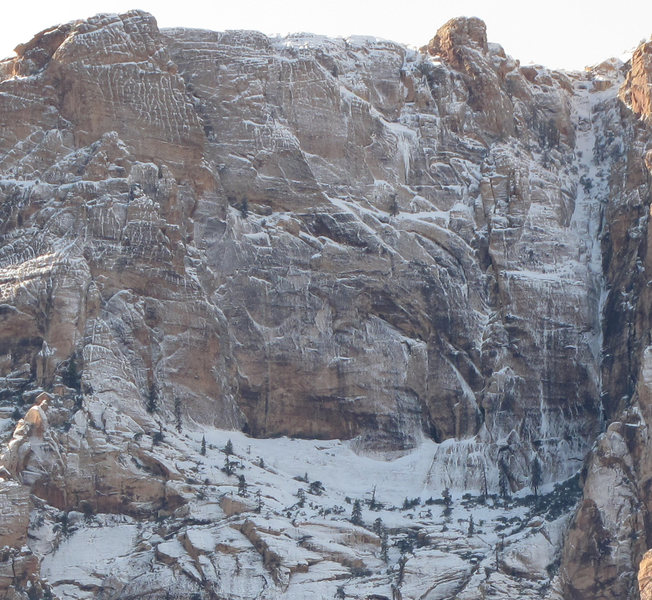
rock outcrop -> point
(438, 253)
(637, 89)
(644, 577)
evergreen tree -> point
(405, 544)
(177, 414)
(64, 522)
(244, 209)
(356, 513)
(448, 502)
(471, 526)
(485, 491)
(301, 494)
(228, 466)
(536, 475)
(228, 449)
(393, 206)
(152, 398)
(503, 480)
(203, 446)
(71, 376)
(373, 503)
(259, 501)
(242, 486)
(498, 549)
(378, 527)
(401, 569)
(384, 546)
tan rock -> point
(15, 507)
(456, 34)
(637, 89)
(645, 576)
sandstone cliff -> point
(436, 257)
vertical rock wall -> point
(327, 239)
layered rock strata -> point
(437, 250)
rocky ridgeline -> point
(437, 257)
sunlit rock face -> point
(636, 91)
(645, 577)
(410, 251)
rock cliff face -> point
(429, 269)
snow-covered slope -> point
(285, 528)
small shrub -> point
(408, 504)
(87, 509)
(316, 488)
(360, 571)
(405, 545)
(587, 183)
